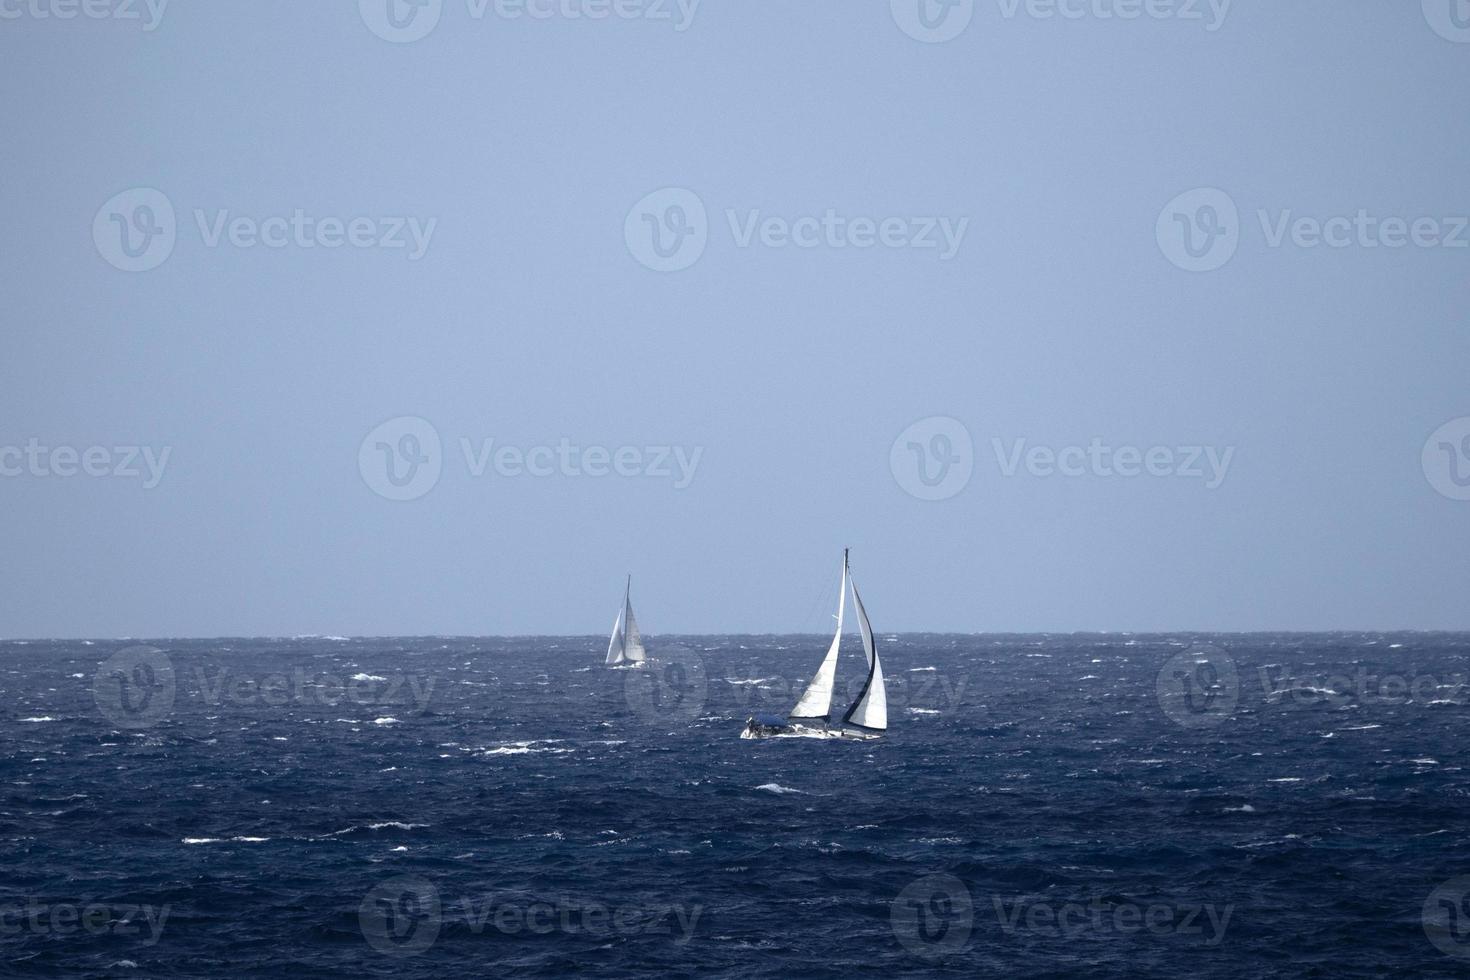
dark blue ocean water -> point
(1043, 806)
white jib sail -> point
(816, 701)
(632, 639)
(871, 709)
(615, 644)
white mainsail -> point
(816, 701)
(870, 710)
(626, 643)
(632, 639)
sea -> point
(1089, 805)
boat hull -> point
(759, 728)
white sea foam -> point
(526, 748)
(368, 677)
(395, 824)
(778, 789)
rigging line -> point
(824, 597)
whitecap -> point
(386, 720)
(368, 677)
(39, 718)
(201, 840)
(778, 789)
(395, 824)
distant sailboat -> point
(812, 716)
(625, 648)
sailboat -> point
(625, 647)
(812, 715)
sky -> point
(371, 318)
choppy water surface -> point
(1088, 805)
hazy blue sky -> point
(1040, 155)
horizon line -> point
(338, 637)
